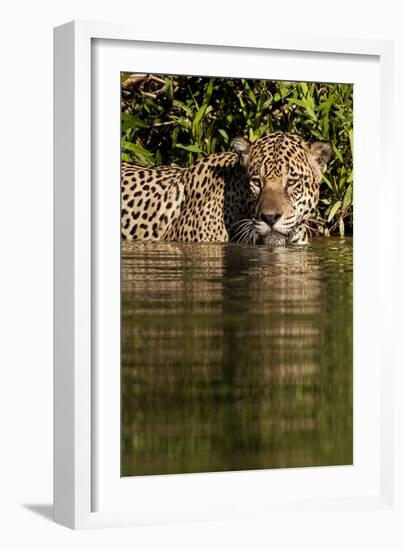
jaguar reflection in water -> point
(236, 357)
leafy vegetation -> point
(179, 119)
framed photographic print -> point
(218, 349)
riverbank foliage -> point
(179, 119)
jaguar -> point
(262, 193)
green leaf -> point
(249, 92)
(158, 158)
(284, 91)
(183, 122)
(351, 140)
(168, 88)
(348, 197)
(191, 148)
(252, 136)
(209, 91)
(193, 97)
(341, 227)
(328, 183)
(337, 153)
(333, 211)
(305, 104)
(131, 121)
(180, 105)
(142, 154)
(224, 135)
(304, 88)
(199, 115)
(174, 135)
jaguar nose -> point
(271, 219)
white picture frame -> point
(87, 492)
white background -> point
(26, 265)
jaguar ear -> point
(241, 147)
(321, 152)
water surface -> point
(236, 357)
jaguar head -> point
(284, 173)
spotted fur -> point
(233, 195)
(286, 173)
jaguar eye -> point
(256, 185)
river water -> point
(236, 357)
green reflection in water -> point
(236, 357)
